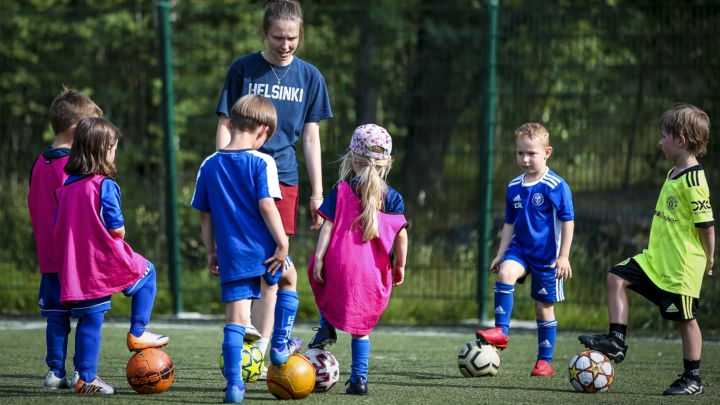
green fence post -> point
(167, 117)
(487, 148)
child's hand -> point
(213, 264)
(495, 265)
(708, 266)
(398, 275)
(562, 264)
(275, 263)
(317, 271)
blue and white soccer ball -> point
(477, 359)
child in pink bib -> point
(361, 251)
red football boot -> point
(494, 336)
(542, 368)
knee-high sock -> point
(142, 305)
(547, 330)
(75, 356)
(232, 348)
(285, 310)
(56, 338)
(87, 344)
(360, 356)
(503, 305)
(323, 322)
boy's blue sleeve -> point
(110, 212)
(266, 181)
(394, 203)
(232, 89)
(561, 198)
(327, 209)
(510, 211)
(319, 108)
(200, 198)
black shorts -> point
(673, 307)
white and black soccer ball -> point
(591, 372)
(327, 369)
(477, 359)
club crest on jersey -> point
(672, 203)
(517, 201)
(538, 199)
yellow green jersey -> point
(675, 259)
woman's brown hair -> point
(284, 10)
(93, 139)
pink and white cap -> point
(369, 135)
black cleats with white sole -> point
(685, 386)
(606, 345)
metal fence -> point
(598, 77)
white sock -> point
(262, 344)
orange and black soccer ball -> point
(150, 371)
(294, 380)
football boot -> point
(145, 341)
(53, 383)
(234, 395)
(606, 345)
(323, 337)
(96, 387)
(252, 335)
(685, 386)
(279, 358)
(542, 368)
(356, 388)
(494, 337)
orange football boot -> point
(146, 341)
(542, 368)
(494, 336)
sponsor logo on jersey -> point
(543, 291)
(538, 199)
(701, 207)
(518, 201)
(662, 216)
(42, 302)
(545, 344)
(672, 308)
(276, 92)
(672, 203)
(500, 311)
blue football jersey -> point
(537, 209)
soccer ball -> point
(294, 380)
(150, 371)
(327, 369)
(477, 359)
(252, 362)
(591, 372)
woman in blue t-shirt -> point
(299, 94)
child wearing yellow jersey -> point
(669, 272)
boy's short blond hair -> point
(252, 111)
(690, 122)
(534, 131)
(69, 108)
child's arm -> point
(118, 232)
(272, 219)
(323, 242)
(208, 233)
(562, 263)
(507, 234)
(401, 247)
(707, 238)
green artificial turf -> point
(407, 366)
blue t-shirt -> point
(301, 97)
(392, 204)
(537, 210)
(229, 185)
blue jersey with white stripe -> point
(537, 210)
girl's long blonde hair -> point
(371, 189)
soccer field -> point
(407, 366)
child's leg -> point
(56, 337)
(236, 316)
(142, 305)
(692, 346)
(510, 272)
(618, 307)
(285, 310)
(263, 314)
(87, 345)
(323, 322)
(360, 355)
(547, 329)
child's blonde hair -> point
(534, 131)
(372, 188)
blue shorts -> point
(87, 307)
(272, 280)
(243, 289)
(49, 297)
(545, 286)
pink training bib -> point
(357, 274)
(91, 263)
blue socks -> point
(360, 356)
(232, 348)
(503, 305)
(285, 311)
(142, 305)
(87, 345)
(323, 322)
(56, 338)
(547, 330)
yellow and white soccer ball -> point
(252, 365)
(477, 359)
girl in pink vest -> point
(361, 250)
(93, 260)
